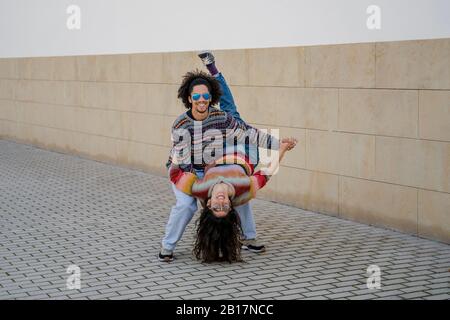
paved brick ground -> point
(57, 210)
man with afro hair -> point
(196, 130)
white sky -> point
(38, 27)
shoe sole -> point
(165, 259)
(253, 250)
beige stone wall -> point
(372, 119)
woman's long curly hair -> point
(193, 78)
(218, 239)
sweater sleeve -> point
(259, 180)
(183, 180)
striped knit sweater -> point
(231, 168)
(218, 130)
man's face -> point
(200, 106)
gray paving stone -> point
(324, 281)
(272, 289)
(40, 296)
(199, 295)
(303, 280)
(316, 293)
(270, 295)
(244, 297)
(107, 296)
(294, 291)
(438, 297)
(337, 296)
(363, 297)
(58, 209)
(438, 285)
(221, 297)
(201, 290)
(343, 289)
(413, 295)
(316, 298)
(150, 297)
(389, 298)
(322, 287)
(277, 283)
(252, 287)
(439, 291)
(20, 295)
(129, 296)
(297, 296)
(413, 289)
(389, 293)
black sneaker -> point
(253, 246)
(207, 57)
(165, 256)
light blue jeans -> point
(227, 104)
(186, 206)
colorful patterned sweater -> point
(231, 168)
(190, 138)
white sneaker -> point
(165, 255)
(252, 245)
(207, 57)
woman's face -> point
(197, 99)
(219, 202)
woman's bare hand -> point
(288, 144)
(210, 165)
